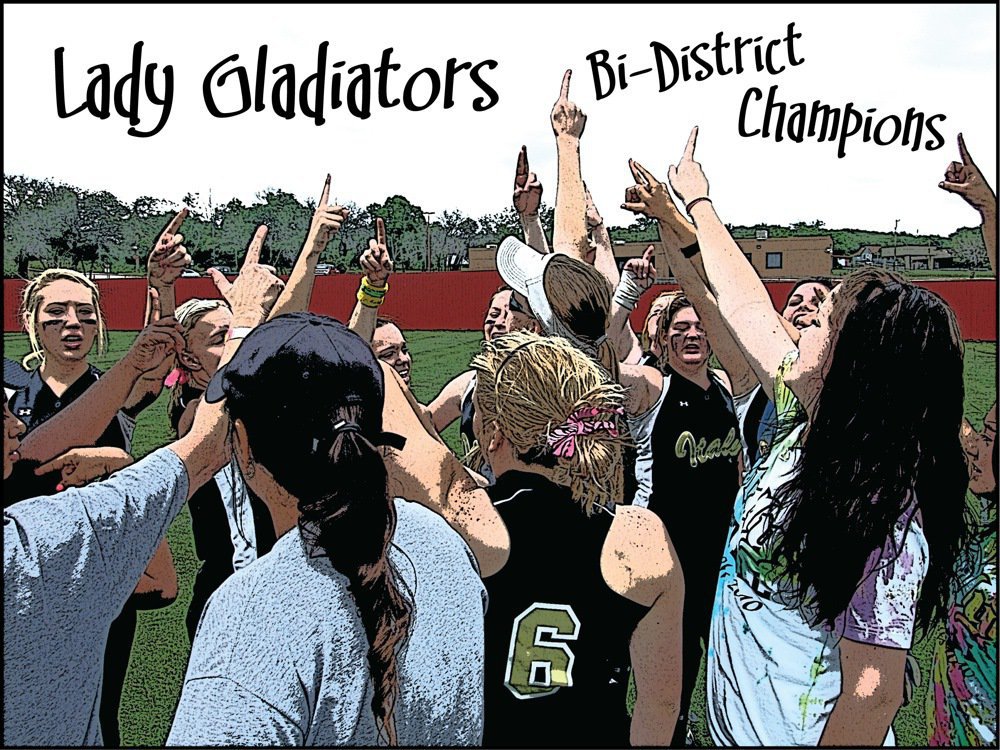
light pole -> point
(427, 218)
(895, 245)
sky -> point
(938, 60)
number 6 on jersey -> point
(537, 663)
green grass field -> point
(161, 648)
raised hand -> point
(169, 257)
(254, 292)
(643, 269)
(78, 466)
(687, 178)
(375, 260)
(527, 188)
(567, 118)
(157, 341)
(327, 219)
(965, 179)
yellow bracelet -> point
(374, 291)
(368, 300)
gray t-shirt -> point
(280, 656)
(70, 562)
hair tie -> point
(584, 421)
(177, 376)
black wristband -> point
(691, 250)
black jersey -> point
(696, 447)
(557, 637)
(36, 403)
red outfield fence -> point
(456, 301)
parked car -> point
(189, 272)
(324, 269)
(225, 270)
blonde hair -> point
(529, 385)
(31, 299)
(581, 297)
(644, 339)
(188, 316)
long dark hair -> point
(345, 511)
(883, 440)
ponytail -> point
(353, 523)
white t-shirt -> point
(280, 656)
(773, 678)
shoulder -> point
(638, 559)
(644, 385)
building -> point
(899, 258)
(774, 258)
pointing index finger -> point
(380, 231)
(692, 142)
(521, 175)
(648, 255)
(324, 198)
(175, 223)
(966, 159)
(256, 245)
(564, 91)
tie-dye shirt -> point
(962, 701)
(773, 678)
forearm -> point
(604, 257)
(168, 301)
(627, 346)
(989, 229)
(534, 232)
(296, 295)
(743, 301)
(363, 319)
(86, 419)
(705, 304)
(569, 235)
(859, 722)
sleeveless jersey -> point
(557, 638)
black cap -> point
(15, 378)
(290, 377)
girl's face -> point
(979, 451)
(66, 321)
(206, 340)
(816, 339)
(497, 320)
(685, 339)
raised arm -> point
(447, 405)
(377, 265)
(85, 420)
(602, 252)
(326, 222)
(167, 260)
(636, 278)
(743, 302)
(427, 472)
(527, 202)
(649, 196)
(966, 180)
(569, 235)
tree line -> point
(50, 224)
